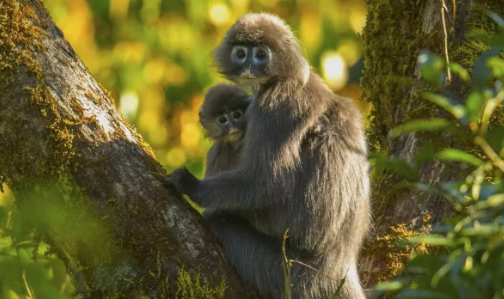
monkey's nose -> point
(247, 73)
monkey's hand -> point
(182, 180)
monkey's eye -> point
(239, 54)
(261, 55)
(237, 114)
(222, 120)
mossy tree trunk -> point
(88, 181)
(395, 33)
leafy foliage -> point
(467, 260)
(27, 268)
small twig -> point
(447, 57)
(28, 289)
(287, 264)
(64, 285)
(286, 268)
(489, 152)
(454, 8)
(488, 111)
(318, 271)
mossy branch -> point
(85, 177)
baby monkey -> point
(223, 115)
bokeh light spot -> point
(219, 14)
(334, 70)
(129, 104)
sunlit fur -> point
(264, 29)
(303, 168)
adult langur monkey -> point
(303, 166)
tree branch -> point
(88, 179)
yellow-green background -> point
(155, 58)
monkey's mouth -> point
(249, 80)
(247, 76)
(233, 136)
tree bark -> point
(395, 32)
(59, 128)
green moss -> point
(193, 288)
(393, 249)
(21, 39)
(391, 44)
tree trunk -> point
(88, 181)
(395, 32)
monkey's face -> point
(228, 126)
(249, 64)
(261, 48)
(231, 125)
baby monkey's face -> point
(223, 113)
(231, 125)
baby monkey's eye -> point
(241, 54)
(222, 119)
(237, 114)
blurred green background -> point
(155, 58)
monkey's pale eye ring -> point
(261, 54)
(237, 114)
(239, 54)
(222, 120)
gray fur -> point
(225, 152)
(303, 168)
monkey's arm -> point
(227, 190)
(265, 176)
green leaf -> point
(455, 108)
(432, 67)
(497, 19)
(424, 153)
(497, 65)
(433, 240)
(388, 286)
(398, 165)
(455, 155)
(491, 202)
(475, 104)
(338, 290)
(495, 137)
(481, 72)
(432, 124)
(460, 71)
